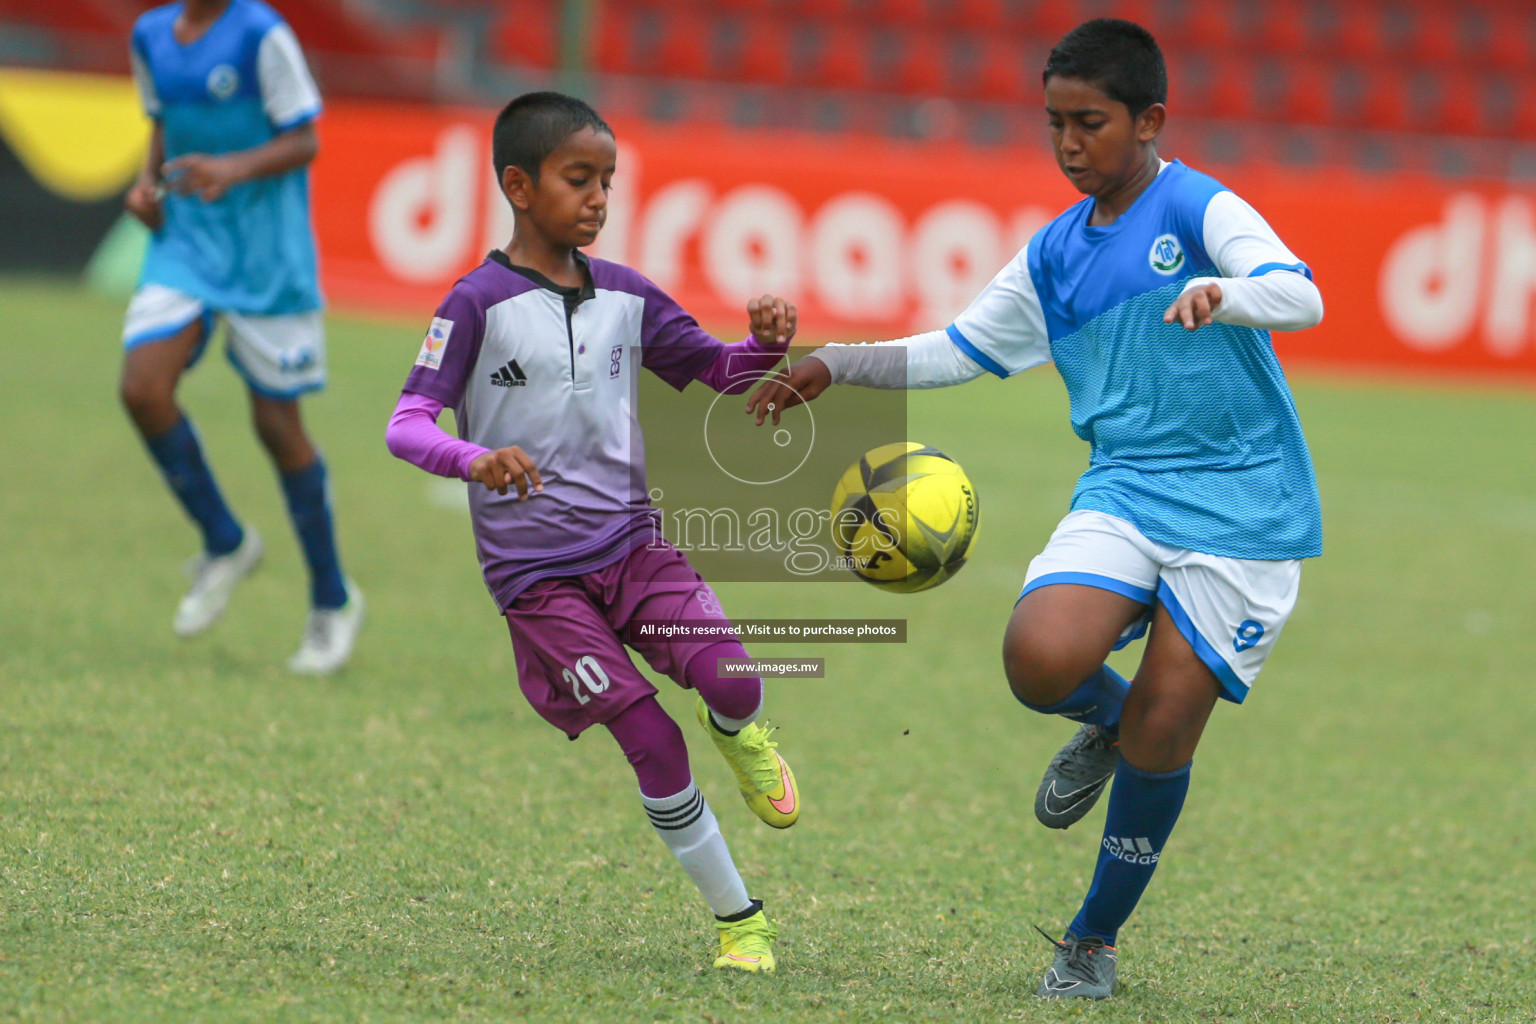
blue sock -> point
(1097, 701)
(1143, 807)
(309, 507)
(180, 457)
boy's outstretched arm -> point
(931, 360)
(737, 366)
(1002, 332)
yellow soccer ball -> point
(904, 517)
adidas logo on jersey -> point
(509, 376)
(1132, 851)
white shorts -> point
(279, 356)
(1231, 610)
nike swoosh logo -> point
(786, 803)
(1068, 800)
(744, 959)
(1055, 984)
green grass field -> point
(190, 834)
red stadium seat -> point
(831, 56)
(1308, 93)
(997, 73)
(1218, 85)
(1523, 122)
(1050, 20)
(613, 29)
(75, 17)
(920, 67)
(1281, 28)
(1210, 24)
(982, 15)
(1510, 37)
(897, 12)
(755, 7)
(685, 46)
(764, 55)
(1433, 36)
(1203, 25)
(1357, 33)
(528, 33)
(1385, 104)
(1458, 109)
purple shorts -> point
(568, 635)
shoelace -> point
(1098, 737)
(756, 927)
(755, 741)
(1080, 952)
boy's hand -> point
(504, 468)
(207, 177)
(773, 320)
(787, 388)
(143, 201)
(1193, 308)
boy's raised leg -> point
(1054, 653)
(727, 708)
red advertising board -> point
(879, 239)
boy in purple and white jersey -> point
(535, 351)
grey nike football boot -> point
(1076, 776)
(1083, 969)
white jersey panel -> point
(1241, 243)
(1004, 330)
(145, 82)
(288, 92)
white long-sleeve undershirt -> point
(1239, 242)
(1281, 300)
(929, 360)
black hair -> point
(535, 125)
(1118, 56)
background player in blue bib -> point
(225, 193)
(1154, 297)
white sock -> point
(688, 827)
(736, 724)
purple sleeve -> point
(452, 345)
(672, 344)
(413, 435)
(737, 367)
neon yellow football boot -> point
(765, 781)
(747, 945)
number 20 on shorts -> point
(589, 675)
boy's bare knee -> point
(149, 402)
(1036, 675)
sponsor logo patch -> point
(435, 343)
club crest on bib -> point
(1167, 256)
(223, 81)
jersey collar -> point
(572, 295)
